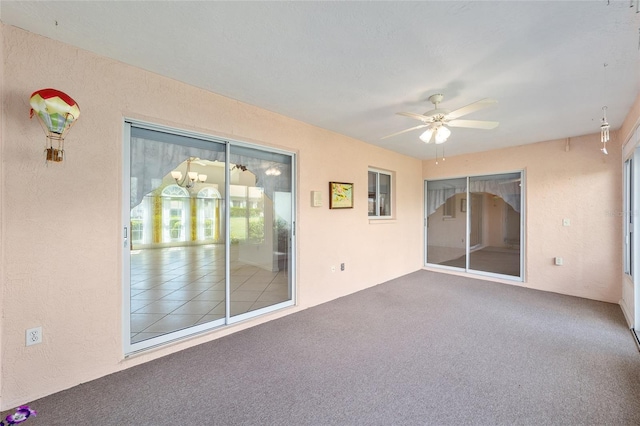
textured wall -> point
(628, 127)
(582, 185)
(61, 227)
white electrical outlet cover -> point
(33, 336)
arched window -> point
(175, 208)
(175, 191)
(209, 192)
(139, 215)
(208, 207)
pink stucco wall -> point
(628, 127)
(61, 263)
(580, 184)
(60, 224)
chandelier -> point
(189, 179)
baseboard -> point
(626, 313)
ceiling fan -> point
(437, 120)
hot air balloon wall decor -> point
(56, 112)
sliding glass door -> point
(447, 222)
(208, 233)
(474, 224)
(260, 229)
(495, 224)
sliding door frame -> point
(631, 238)
(132, 348)
(467, 269)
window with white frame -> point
(450, 208)
(379, 189)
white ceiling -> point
(350, 66)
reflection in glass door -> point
(447, 222)
(492, 221)
(260, 227)
(475, 222)
(498, 202)
(193, 263)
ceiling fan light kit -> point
(442, 134)
(426, 136)
(437, 120)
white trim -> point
(293, 233)
(227, 234)
(503, 279)
(204, 136)
(523, 222)
(126, 252)
(257, 312)
(630, 239)
(392, 190)
(635, 236)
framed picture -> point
(463, 205)
(340, 195)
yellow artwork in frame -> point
(340, 195)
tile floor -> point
(179, 287)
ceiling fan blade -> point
(420, 117)
(473, 124)
(406, 130)
(483, 103)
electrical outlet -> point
(559, 261)
(34, 336)
(342, 266)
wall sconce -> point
(190, 179)
(56, 112)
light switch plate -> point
(316, 199)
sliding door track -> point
(635, 338)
